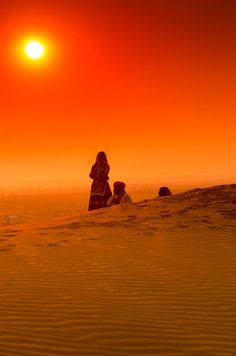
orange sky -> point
(152, 83)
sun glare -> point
(34, 50)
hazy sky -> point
(152, 83)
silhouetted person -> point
(164, 192)
(120, 196)
(100, 189)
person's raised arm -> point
(105, 171)
(111, 201)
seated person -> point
(120, 196)
(164, 192)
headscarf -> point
(119, 187)
(101, 167)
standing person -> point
(120, 196)
(100, 189)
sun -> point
(34, 50)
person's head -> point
(164, 191)
(119, 188)
(101, 157)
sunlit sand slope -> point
(151, 278)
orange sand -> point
(154, 277)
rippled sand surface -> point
(156, 277)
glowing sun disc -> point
(34, 50)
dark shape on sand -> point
(164, 192)
(100, 189)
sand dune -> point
(155, 277)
